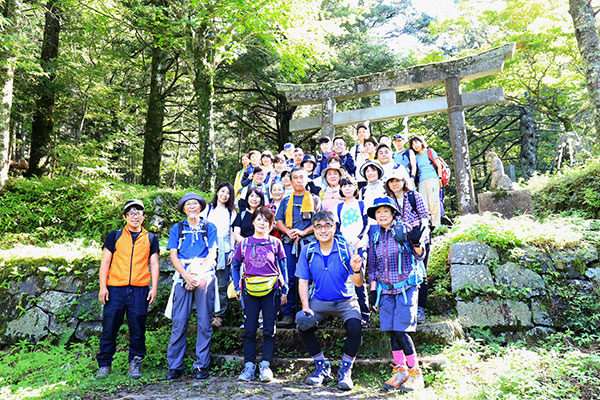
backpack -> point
(361, 206)
(343, 251)
(180, 232)
(416, 276)
(444, 172)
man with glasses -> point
(334, 269)
(124, 280)
(293, 221)
(193, 250)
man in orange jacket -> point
(124, 287)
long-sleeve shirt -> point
(383, 261)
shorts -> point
(345, 309)
(397, 315)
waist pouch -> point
(259, 286)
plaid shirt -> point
(382, 261)
(407, 215)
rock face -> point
(507, 204)
(33, 325)
(472, 253)
(493, 313)
(475, 276)
(515, 276)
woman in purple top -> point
(262, 256)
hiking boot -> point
(421, 315)
(321, 375)
(248, 372)
(264, 371)
(103, 372)
(414, 381)
(345, 376)
(365, 323)
(286, 322)
(173, 374)
(399, 376)
(135, 367)
(217, 322)
(200, 373)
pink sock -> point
(411, 360)
(399, 358)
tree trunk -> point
(528, 143)
(153, 135)
(43, 118)
(285, 112)
(588, 41)
(7, 60)
(207, 160)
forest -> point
(171, 94)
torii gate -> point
(386, 84)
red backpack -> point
(444, 172)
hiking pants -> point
(289, 308)
(269, 304)
(204, 301)
(223, 281)
(122, 300)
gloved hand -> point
(399, 232)
(373, 299)
(418, 234)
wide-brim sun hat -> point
(191, 196)
(399, 172)
(335, 167)
(371, 163)
(309, 158)
(382, 202)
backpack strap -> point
(412, 200)
(203, 230)
(343, 251)
(118, 235)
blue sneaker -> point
(248, 372)
(321, 375)
(345, 376)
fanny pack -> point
(259, 286)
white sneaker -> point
(265, 374)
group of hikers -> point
(300, 238)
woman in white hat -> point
(331, 176)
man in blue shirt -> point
(334, 268)
(193, 250)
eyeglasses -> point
(326, 226)
(134, 214)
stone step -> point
(375, 343)
(288, 364)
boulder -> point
(532, 257)
(506, 203)
(541, 312)
(89, 308)
(538, 334)
(593, 274)
(475, 276)
(85, 330)
(448, 331)
(493, 313)
(59, 327)
(55, 302)
(33, 325)
(575, 262)
(584, 288)
(515, 276)
(28, 286)
(472, 253)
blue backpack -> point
(343, 251)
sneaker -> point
(260, 324)
(399, 376)
(286, 322)
(414, 381)
(200, 373)
(421, 315)
(321, 375)
(173, 374)
(345, 376)
(217, 322)
(135, 367)
(248, 372)
(365, 324)
(103, 372)
(264, 371)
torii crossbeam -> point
(386, 84)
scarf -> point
(307, 206)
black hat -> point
(309, 158)
(324, 139)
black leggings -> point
(402, 341)
(269, 304)
(424, 288)
(353, 338)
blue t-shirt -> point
(328, 273)
(193, 244)
(425, 167)
(402, 157)
(299, 221)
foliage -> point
(34, 211)
(571, 191)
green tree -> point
(8, 24)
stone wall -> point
(54, 298)
(519, 291)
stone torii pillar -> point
(386, 84)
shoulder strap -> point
(179, 234)
(339, 211)
(118, 235)
(344, 254)
(310, 251)
(412, 200)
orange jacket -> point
(129, 264)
